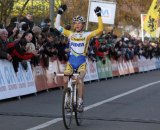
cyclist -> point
(78, 43)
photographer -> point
(61, 47)
(101, 49)
(118, 49)
(138, 49)
(129, 52)
(49, 49)
(92, 50)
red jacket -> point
(17, 52)
(24, 56)
(98, 53)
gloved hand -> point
(61, 9)
(97, 10)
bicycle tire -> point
(78, 115)
(67, 111)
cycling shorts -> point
(75, 63)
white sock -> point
(80, 100)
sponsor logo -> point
(105, 13)
(77, 39)
(77, 44)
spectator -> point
(20, 55)
(46, 23)
(25, 27)
(14, 20)
(62, 55)
(101, 49)
(92, 50)
(37, 33)
(49, 49)
(29, 20)
(12, 31)
(3, 45)
(30, 47)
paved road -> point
(125, 103)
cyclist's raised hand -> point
(62, 9)
(97, 10)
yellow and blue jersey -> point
(79, 42)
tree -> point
(23, 8)
(6, 7)
(75, 7)
(127, 11)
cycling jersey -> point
(78, 42)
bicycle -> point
(69, 102)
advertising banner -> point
(108, 68)
(87, 77)
(152, 64)
(53, 67)
(92, 69)
(135, 63)
(157, 63)
(130, 66)
(115, 71)
(107, 12)
(39, 74)
(101, 68)
(11, 84)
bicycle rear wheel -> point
(67, 108)
(78, 115)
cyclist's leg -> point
(82, 71)
(68, 71)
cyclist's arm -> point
(59, 27)
(94, 33)
(99, 30)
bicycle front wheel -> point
(67, 108)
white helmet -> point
(79, 18)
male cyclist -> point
(78, 42)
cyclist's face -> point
(78, 26)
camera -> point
(102, 48)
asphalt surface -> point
(124, 103)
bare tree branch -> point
(23, 8)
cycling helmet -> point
(79, 18)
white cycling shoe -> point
(80, 106)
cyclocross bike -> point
(69, 102)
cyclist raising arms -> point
(78, 42)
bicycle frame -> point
(71, 92)
(70, 85)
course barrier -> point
(38, 78)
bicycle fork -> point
(72, 87)
(71, 96)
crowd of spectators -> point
(125, 47)
(23, 41)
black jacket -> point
(3, 47)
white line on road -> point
(51, 122)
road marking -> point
(51, 122)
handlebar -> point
(57, 75)
(74, 74)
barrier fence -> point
(38, 78)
